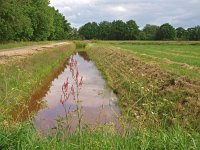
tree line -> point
(119, 30)
(35, 20)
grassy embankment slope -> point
(19, 79)
(153, 97)
(159, 82)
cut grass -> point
(173, 67)
(181, 55)
(173, 56)
(146, 42)
(146, 92)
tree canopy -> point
(150, 32)
(194, 33)
(23, 20)
(166, 32)
(89, 30)
(181, 33)
(116, 30)
(132, 31)
(119, 30)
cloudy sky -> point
(185, 13)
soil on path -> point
(7, 55)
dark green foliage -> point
(89, 30)
(194, 33)
(24, 20)
(105, 30)
(166, 32)
(119, 30)
(132, 31)
(42, 20)
(13, 21)
(150, 32)
(61, 28)
(181, 33)
(74, 34)
(116, 30)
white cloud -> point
(119, 9)
(67, 8)
(177, 12)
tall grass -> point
(80, 44)
(25, 137)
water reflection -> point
(98, 102)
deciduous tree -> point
(166, 32)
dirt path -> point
(7, 55)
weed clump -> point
(80, 44)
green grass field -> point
(157, 84)
(178, 57)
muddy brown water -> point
(98, 102)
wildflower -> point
(65, 86)
(75, 63)
(77, 74)
(71, 67)
(72, 59)
(73, 91)
(61, 100)
(81, 81)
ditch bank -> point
(26, 75)
(150, 96)
(98, 103)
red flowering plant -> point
(73, 91)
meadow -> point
(157, 85)
(178, 57)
